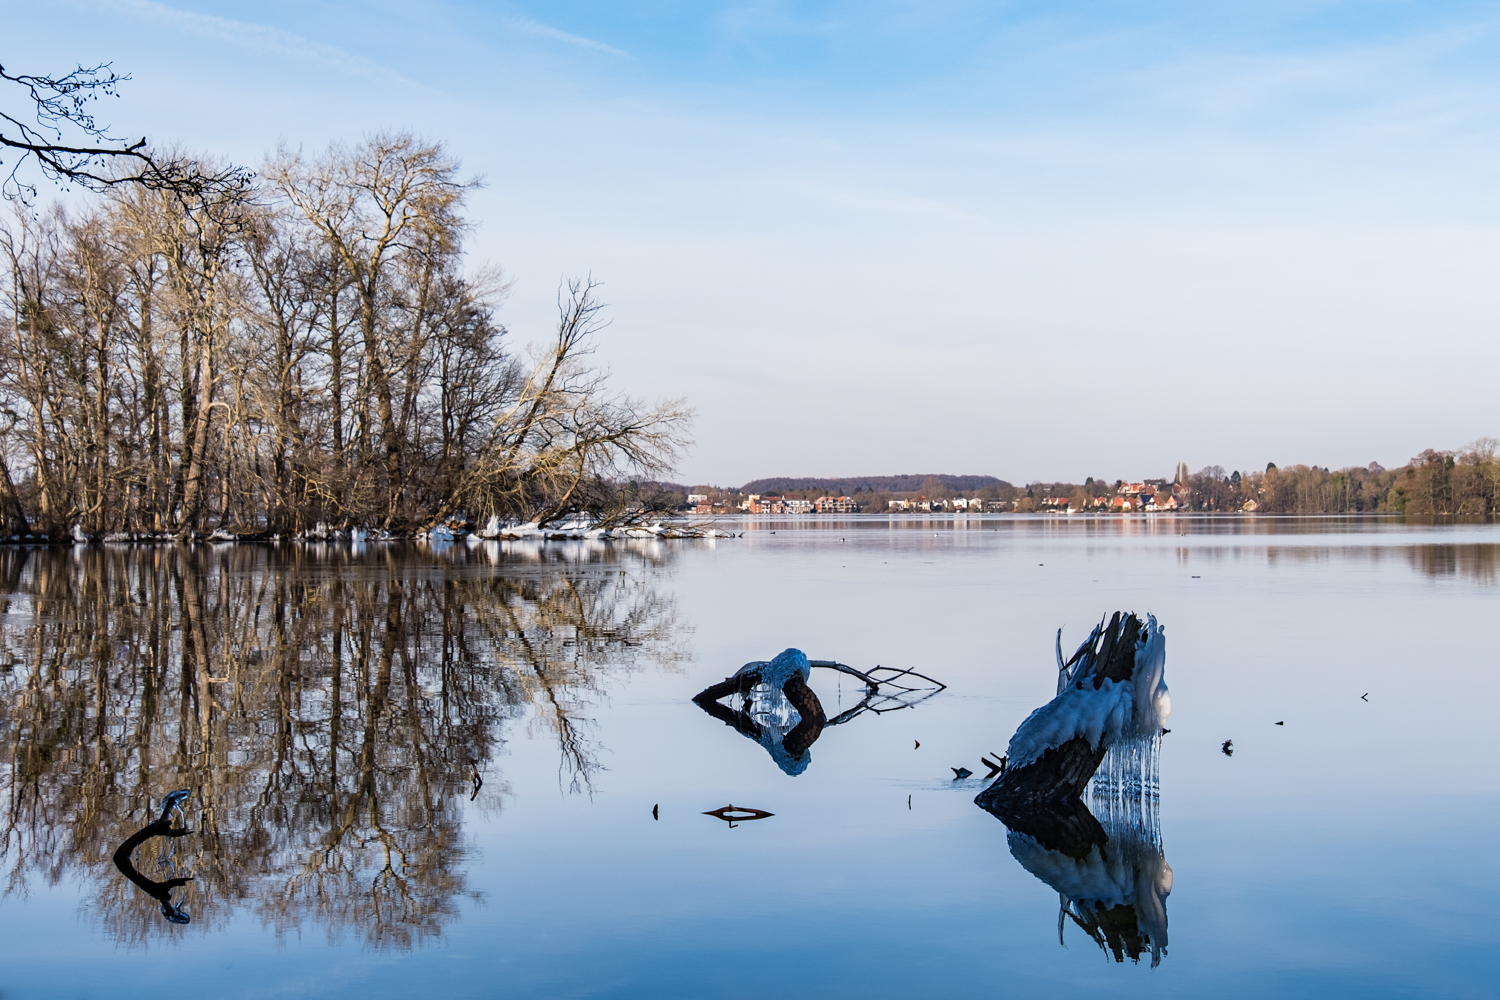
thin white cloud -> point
(255, 36)
(541, 30)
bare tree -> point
(264, 361)
(49, 119)
(391, 198)
(565, 432)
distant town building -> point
(757, 504)
(836, 505)
(799, 506)
(898, 504)
(697, 498)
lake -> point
(479, 770)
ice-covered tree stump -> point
(1110, 696)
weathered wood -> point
(810, 726)
(1058, 775)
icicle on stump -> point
(1111, 700)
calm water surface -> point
(418, 770)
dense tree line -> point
(1465, 481)
(310, 347)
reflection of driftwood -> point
(160, 891)
(783, 681)
(1110, 693)
(735, 815)
(886, 689)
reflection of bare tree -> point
(329, 715)
(1476, 563)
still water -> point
(479, 771)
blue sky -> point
(1032, 240)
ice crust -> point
(1110, 714)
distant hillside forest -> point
(1465, 481)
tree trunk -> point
(12, 515)
(197, 445)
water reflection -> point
(332, 717)
(1109, 870)
(1476, 563)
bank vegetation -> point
(312, 346)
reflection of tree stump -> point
(1065, 826)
